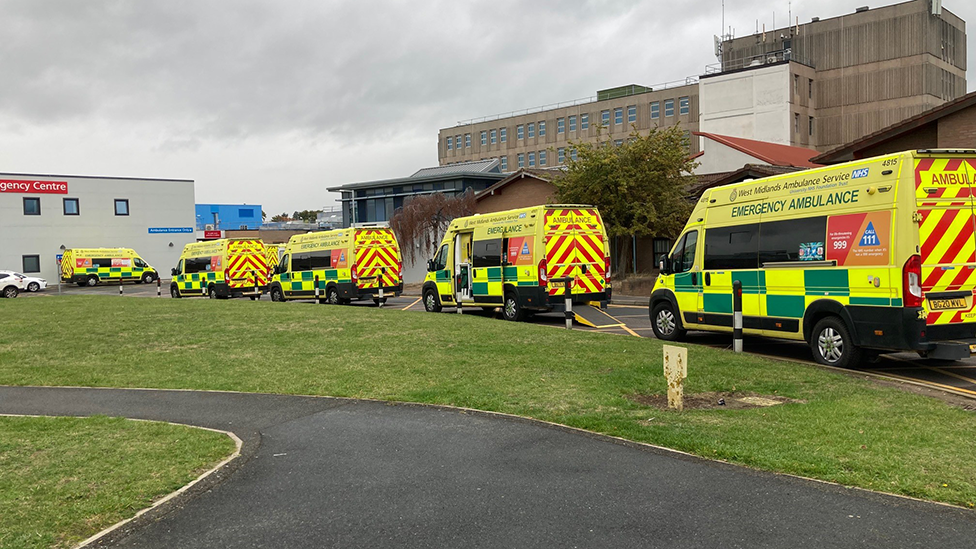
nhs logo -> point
(863, 172)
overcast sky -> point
(270, 102)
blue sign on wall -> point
(167, 230)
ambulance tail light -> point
(606, 268)
(354, 273)
(912, 293)
(543, 277)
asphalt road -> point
(958, 377)
(320, 472)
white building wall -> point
(153, 203)
(753, 104)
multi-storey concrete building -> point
(540, 138)
(816, 85)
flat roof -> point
(96, 177)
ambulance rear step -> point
(954, 349)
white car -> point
(11, 284)
(32, 283)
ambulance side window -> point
(440, 261)
(683, 257)
(732, 247)
(487, 253)
(284, 263)
(139, 263)
(179, 267)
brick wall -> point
(958, 130)
(521, 193)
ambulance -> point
(867, 257)
(519, 259)
(353, 263)
(89, 266)
(229, 267)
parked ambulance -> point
(353, 263)
(856, 259)
(512, 260)
(89, 266)
(229, 267)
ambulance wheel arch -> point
(276, 294)
(818, 310)
(839, 345)
(662, 302)
(432, 303)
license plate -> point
(942, 304)
(972, 349)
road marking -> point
(952, 374)
(412, 304)
(623, 325)
(629, 306)
(949, 388)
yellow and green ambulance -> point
(89, 266)
(352, 263)
(517, 260)
(856, 259)
(228, 267)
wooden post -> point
(675, 371)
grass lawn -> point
(844, 429)
(64, 479)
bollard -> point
(380, 304)
(254, 281)
(317, 300)
(159, 287)
(675, 371)
(737, 316)
(569, 304)
(120, 288)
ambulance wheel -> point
(277, 295)
(92, 280)
(33, 287)
(174, 292)
(82, 283)
(332, 296)
(832, 344)
(148, 278)
(212, 292)
(431, 304)
(377, 301)
(666, 324)
(512, 311)
(10, 292)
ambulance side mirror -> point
(173, 271)
(430, 266)
(664, 264)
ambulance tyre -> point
(832, 344)
(174, 292)
(431, 304)
(666, 324)
(212, 292)
(92, 280)
(332, 296)
(512, 310)
(377, 301)
(276, 295)
(148, 278)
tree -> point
(421, 223)
(283, 216)
(639, 186)
(264, 215)
(308, 216)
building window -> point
(618, 116)
(668, 107)
(121, 206)
(494, 137)
(618, 142)
(561, 155)
(542, 128)
(683, 105)
(560, 125)
(632, 114)
(457, 142)
(32, 263)
(504, 163)
(572, 154)
(531, 130)
(520, 132)
(531, 159)
(796, 84)
(71, 206)
(467, 141)
(450, 143)
(605, 118)
(810, 88)
(796, 122)
(811, 125)
(655, 110)
(484, 138)
(521, 160)
(32, 206)
(572, 123)
(542, 158)
(585, 121)
(504, 134)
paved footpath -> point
(318, 472)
